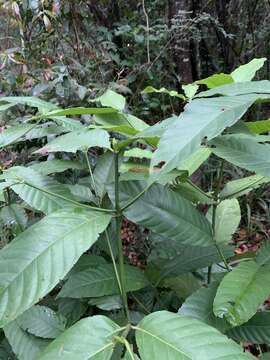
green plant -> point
(66, 289)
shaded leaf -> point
(42, 321)
(24, 345)
(241, 292)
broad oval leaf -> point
(78, 140)
(101, 281)
(42, 321)
(241, 292)
(88, 339)
(167, 336)
(244, 153)
(166, 213)
(33, 263)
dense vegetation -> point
(132, 234)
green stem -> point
(214, 211)
(67, 199)
(118, 221)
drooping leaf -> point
(42, 322)
(228, 216)
(202, 118)
(243, 153)
(78, 140)
(165, 213)
(247, 71)
(14, 134)
(216, 80)
(89, 339)
(56, 166)
(167, 336)
(101, 281)
(200, 306)
(33, 263)
(256, 330)
(24, 345)
(241, 292)
(259, 127)
(103, 173)
(43, 106)
(33, 188)
(239, 187)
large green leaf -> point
(78, 140)
(228, 216)
(33, 263)
(112, 99)
(24, 345)
(101, 281)
(239, 187)
(202, 118)
(56, 166)
(167, 336)
(43, 106)
(183, 285)
(247, 71)
(42, 321)
(166, 213)
(200, 306)
(88, 339)
(244, 153)
(256, 330)
(30, 185)
(14, 133)
(241, 292)
(252, 87)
